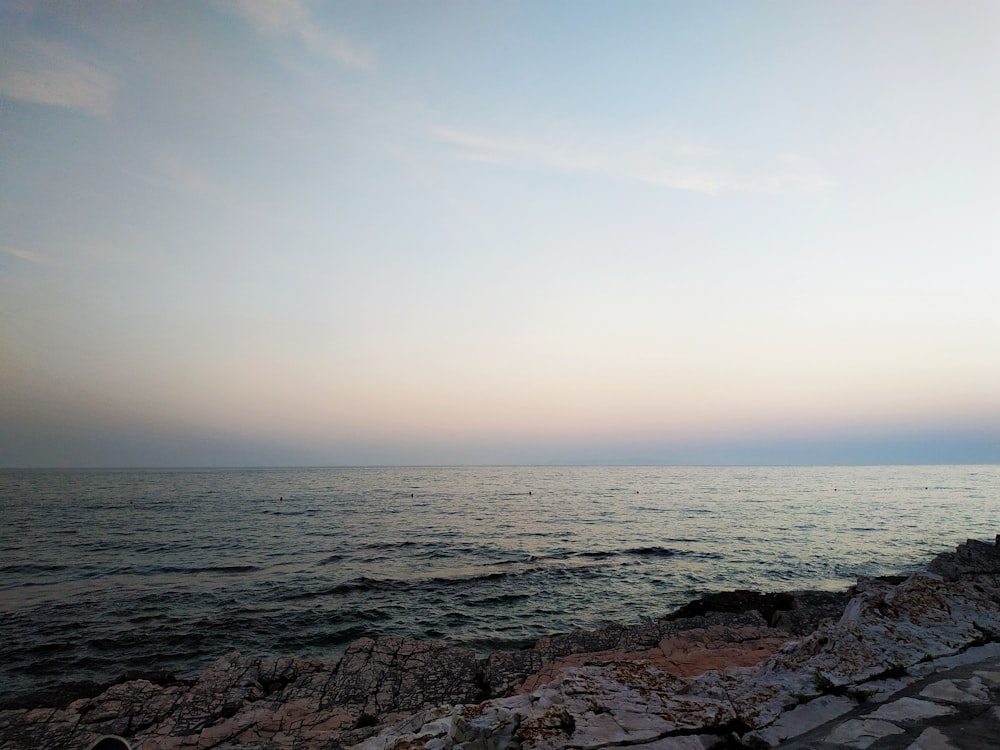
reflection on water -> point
(104, 571)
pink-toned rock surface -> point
(686, 654)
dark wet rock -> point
(613, 637)
(810, 609)
(737, 601)
(130, 707)
(798, 612)
(638, 637)
(972, 561)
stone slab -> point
(807, 717)
(910, 709)
(861, 733)
(932, 739)
(957, 691)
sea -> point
(166, 570)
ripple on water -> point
(205, 562)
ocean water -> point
(105, 571)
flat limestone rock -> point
(686, 654)
(805, 718)
(989, 676)
(958, 691)
(932, 739)
(910, 709)
(861, 733)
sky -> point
(283, 232)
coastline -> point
(796, 612)
(763, 651)
(207, 563)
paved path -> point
(957, 707)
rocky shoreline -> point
(737, 669)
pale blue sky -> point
(292, 232)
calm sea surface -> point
(104, 571)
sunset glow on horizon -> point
(258, 233)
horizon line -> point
(553, 465)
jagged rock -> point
(740, 600)
(798, 612)
(390, 674)
(506, 671)
(42, 727)
(972, 561)
(810, 609)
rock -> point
(932, 739)
(798, 612)
(955, 691)
(801, 719)
(505, 671)
(861, 733)
(736, 601)
(685, 654)
(910, 709)
(972, 561)
(810, 610)
(42, 727)
(388, 675)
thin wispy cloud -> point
(184, 178)
(28, 256)
(96, 253)
(191, 181)
(647, 160)
(293, 18)
(49, 73)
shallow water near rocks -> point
(104, 571)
